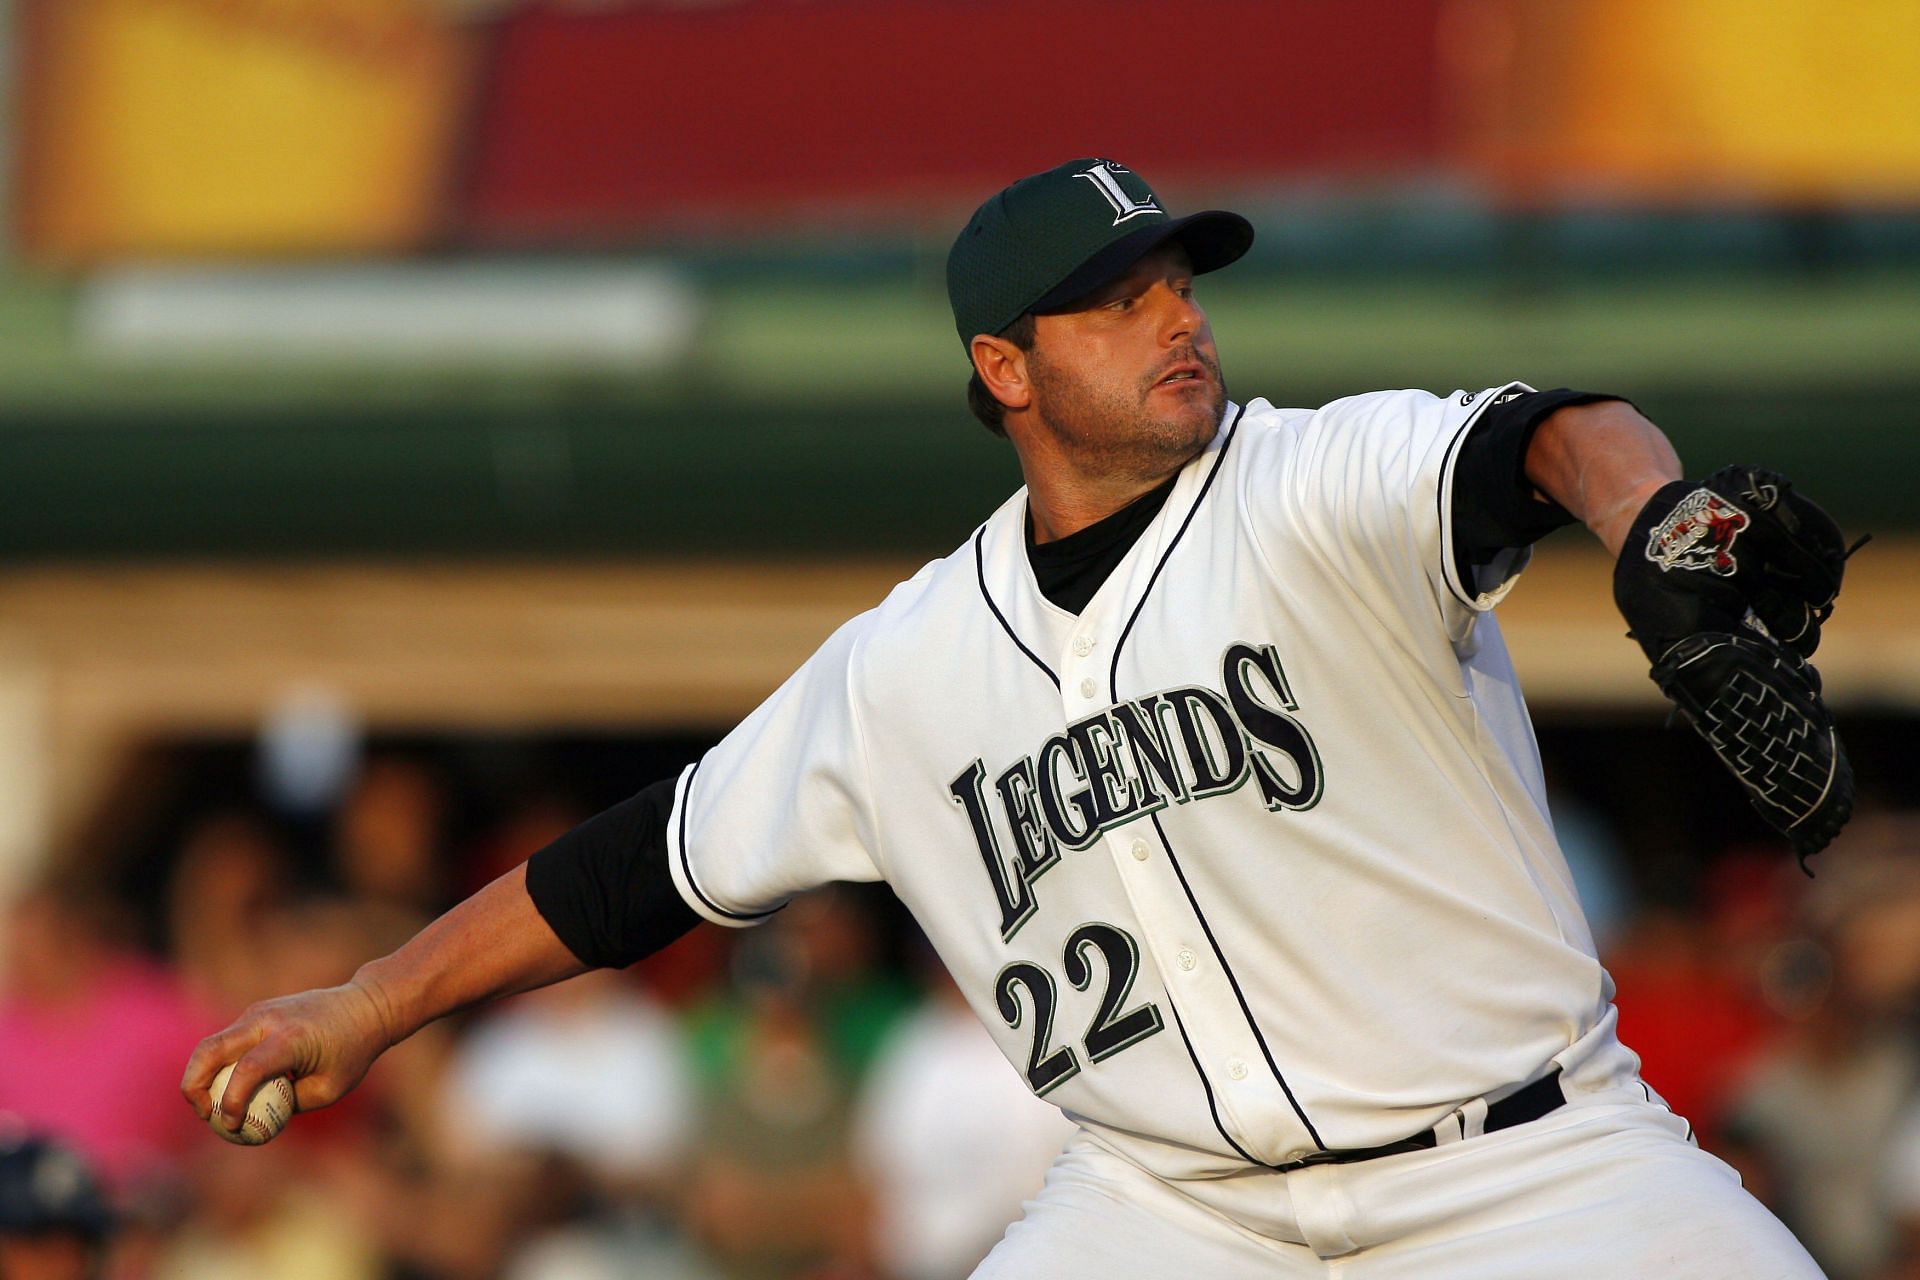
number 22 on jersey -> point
(1110, 1031)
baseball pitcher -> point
(1203, 766)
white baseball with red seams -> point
(268, 1111)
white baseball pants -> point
(1601, 1189)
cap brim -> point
(1212, 239)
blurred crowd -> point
(808, 1099)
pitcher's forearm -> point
(1602, 462)
(493, 944)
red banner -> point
(597, 124)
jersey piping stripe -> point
(1442, 492)
(980, 568)
(1670, 1111)
(1233, 981)
(686, 803)
(1113, 673)
(1113, 688)
(1207, 1085)
(979, 564)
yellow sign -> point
(224, 127)
(1786, 100)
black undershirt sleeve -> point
(1494, 506)
(605, 888)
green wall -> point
(826, 419)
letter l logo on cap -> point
(1124, 205)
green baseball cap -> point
(1057, 236)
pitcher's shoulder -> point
(1266, 431)
(920, 618)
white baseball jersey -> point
(1248, 860)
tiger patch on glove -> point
(1698, 534)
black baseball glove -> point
(1725, 583)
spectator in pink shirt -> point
(91, 1035)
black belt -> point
(1527, 1103)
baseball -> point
(267, 1113)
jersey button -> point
(1082, 646)
(1140, 850)
(1086, 687)
(1237, 1069)
(1185, 959)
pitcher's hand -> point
(324, 1039)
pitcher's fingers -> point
(273, 1056)
(213, 1053)
(310, 1093)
